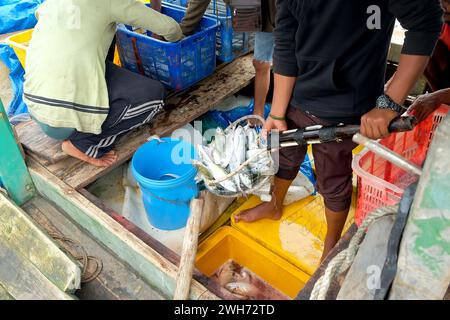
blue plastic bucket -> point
(166, 177)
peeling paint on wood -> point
(149, 264)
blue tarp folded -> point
(17, 15)
(17, 72)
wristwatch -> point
(385, 102)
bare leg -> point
(105, 161)
(262, 84)
(335, 225)
(269, 210)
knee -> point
(149, 90)
(261, 67)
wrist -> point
(385, 102)
(277, 117)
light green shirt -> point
(65, 82)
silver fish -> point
(242, 288)
(216, 171)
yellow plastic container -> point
(19, 42)
(228, 243)
(298, 236)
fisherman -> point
(263, 50)
(71, 91)
(329, 64)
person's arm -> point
(425, 104)
(284, 65)
(194, 13)
(156, 5)
(135, 13)
(423, 21)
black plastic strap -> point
(390, 266)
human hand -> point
(424, 105)
(272, 124)
(446, 6)
(375, 123)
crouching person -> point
(72, 92)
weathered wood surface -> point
(116, 280)
(171, 256)
(190, 243)
(20, 233)
(13, 172)
(22, 280)
(363, 277)
(39, 144)
(182, 109)
(424, 255)
(4, 295)
(149, 264)
(305, 293)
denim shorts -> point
(264, 45)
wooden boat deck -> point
(182, 109)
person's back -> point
(65, 65)
(76, 96)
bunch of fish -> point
(237, 159)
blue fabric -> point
(17, 14)
(217, 118)
(264, 46)
(17, 72)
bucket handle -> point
(155, 137)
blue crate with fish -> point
(230, 44)
(177, 65)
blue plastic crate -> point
(230, 44)
(177, 65)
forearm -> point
(283, 88)
(156, 5)
(443, 96)
(408, 72)
(194, 13)
(138, 15)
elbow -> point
(174, 33)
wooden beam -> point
(23, 281)
(13, 171)
(149, 264)
(424, 254)
(171, 256)
(185, 108)
(27, 239)
(116, 281)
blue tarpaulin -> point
(17, 72)
(17, 14)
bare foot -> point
(105, 161)
(266, 210)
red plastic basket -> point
(381, 183)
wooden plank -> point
(424, 254)
(22, 235)
(23, 281)
(116, 281)
(171, 256)
(185, 108)
(334, 287)
(13, 171)
(35, 141)
(149, 264)
(4, 295)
